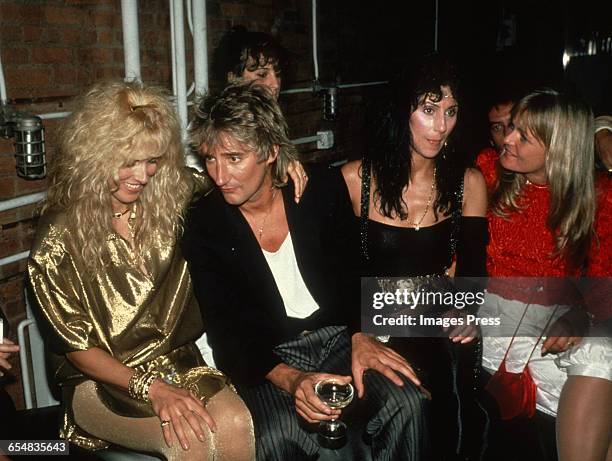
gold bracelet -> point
(140, 382)
(150, 377)
(133, 383)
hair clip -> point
(140, 106)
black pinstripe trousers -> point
(396, 416)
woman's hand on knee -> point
(178, 409)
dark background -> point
(365, 41)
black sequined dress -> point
(458, 423)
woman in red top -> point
(549, 220)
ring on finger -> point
(165, 422)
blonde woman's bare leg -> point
(139, 434)
(584, 420)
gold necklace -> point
(537, 186)
(260, 229)
(119, 214)
(417, 225)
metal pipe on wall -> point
(200, 46)
(179, 60)
(22, 200)
(172, 50)
(11, 204)
(3, 96)
(131, 43)
(315, 53)
(53, 115)
(345, 85)
(14, 258)
(436, 26)
(180, 73)
(356, 85)
(305, 140)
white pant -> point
(592, 357)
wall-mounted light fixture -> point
(330, 99)
(29, 134)
(330, 103)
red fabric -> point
(600, 256)
(599, 293)
(522, 244)
(487, 163)
(515, 393)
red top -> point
(487, 163)
(599, 294)
(522, 244)
(600, 257)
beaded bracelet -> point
(132, 384)
(139, 384)
(147, 381)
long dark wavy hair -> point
(390, 141)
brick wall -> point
(51, 50)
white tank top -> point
(298, 301)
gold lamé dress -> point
(144, 317)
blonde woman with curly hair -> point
(550, 222)
(114, 292)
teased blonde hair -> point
(564, 125)
(114, 124)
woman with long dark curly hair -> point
(423, 215)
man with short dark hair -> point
(273, 281)
(244, 56)
(500, 125)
